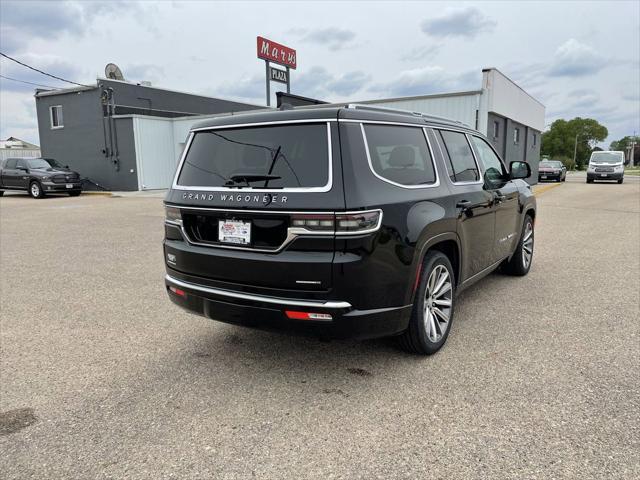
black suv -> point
(38, 176)
(342, 220)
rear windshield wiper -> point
(247, 178)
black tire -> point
(620, 181)
(518, 265)
(589, 180)
(416, 339)
(1, 193)
(74, 194)
(35, 189)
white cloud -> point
(466, 22)
(575, 59)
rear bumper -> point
(268, 313)
(608, 176)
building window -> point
(496, 130)
(55, 115)
(516, 136)
(535, 140)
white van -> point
(606, 165)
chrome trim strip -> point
(292, 232)
(406, 124)
(323, 189)
(386, 180)
(259, 124)
(484, 270)
(444, 158)
(258, 298)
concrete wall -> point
(80, 142)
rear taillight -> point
(358, 222)
(314, 222)
(172, 214)
(340, 223)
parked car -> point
(606, 165)
(342, 221)
(552, 170)
(38, 176)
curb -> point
(544, 188)
(104, 194)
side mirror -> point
(20, 167)
(519, 170)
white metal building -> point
(14, 147)
(511, 118)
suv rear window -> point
(400, 154)
(283, 156)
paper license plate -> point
(69, 185)
(603, 174)
(234, 231)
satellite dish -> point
(113, 72)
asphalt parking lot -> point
(539, 377)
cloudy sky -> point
(578, 58)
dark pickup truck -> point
(38, 176)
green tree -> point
(624, 142)
(560, 139)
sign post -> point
(274, 52)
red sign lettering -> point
(274, 52)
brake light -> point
(294, 315)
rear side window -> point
(283, 156)
(400, 154)
(461, 164)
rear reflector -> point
(307, 315)
(177, 291)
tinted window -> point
(291, 156)
(22, 163)
(494, 170)
(11, 163)
(400, 154)
(462, 166)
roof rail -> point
(358, 106)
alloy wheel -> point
(527, 245)
(35, 189)
(438, 300)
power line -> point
(28, 83)
(40, 71)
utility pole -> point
(575, 149)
